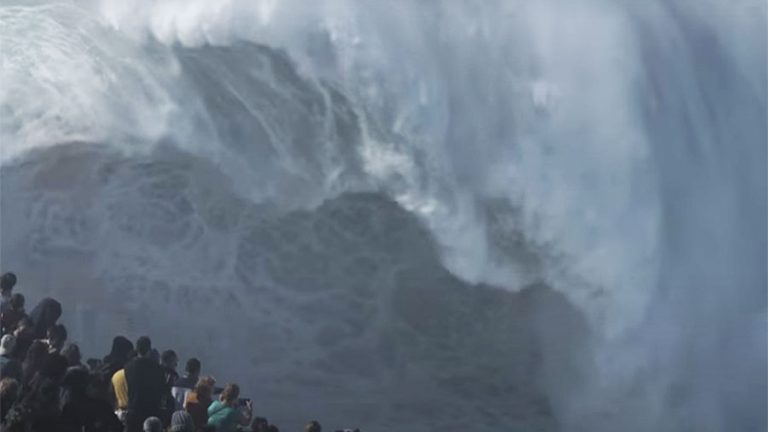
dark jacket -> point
(146, 386)
(9, 319)
(44, 315)
(10, 368)
(83, 413)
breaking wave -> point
(467, 215)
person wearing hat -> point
(9, 366)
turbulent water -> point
(410, 215)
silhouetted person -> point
(169, 361)
(14, 313)
(72, 353)
(259, 424)
(34, 361)
(146, 386)
(7, 282)
(38, 409)
(25, 335)
(10, 367)
(9, 392)
(117, 357)
(186, 383)
(56, 336)
(44, 316)
(80, 410)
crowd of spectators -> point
(45, 387)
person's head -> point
(155, 355)
(36, 354)
(169, 359)
(153, 424)
(72, 353)
(76, 380)
(181, 421)
(313, 426)
(143, 347)
(7, 344)
(7, 282)
(259, 424)
(121, 346)
(204, 388)
(193, 367)
(57, 336)
(17, 301)
(54, 367)
(9, 390)
(96, 388)
(230, 394)
(94, 363)
(24, 325)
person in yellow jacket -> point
(120, 387)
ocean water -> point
(414, 216)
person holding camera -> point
(227, 413)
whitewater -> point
(491, 215)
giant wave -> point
(470, 215)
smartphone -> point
(243, 402)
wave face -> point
(468, 215)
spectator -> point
(186, 383)
(94, 364)
(169, 361)
(38, 409)
(198, 401)
(146, 386)
(7, 282)
(7, 343)
(9, 392)
(120, 391)
(24, 336)
(44, 315)
(226, 413)
(34, 361)
(260, 424)
(155, 355)
(56, 337)
(118, 356)
(10, 318)
(10, 367)
(313, 426)
(153, 424)
(181, 421)
(72, 353)
(81, 411)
